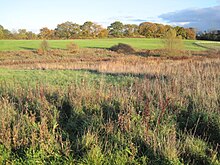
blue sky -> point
(35, 14)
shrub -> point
(44, 46)
(72, 47)
(173, 43)
(123, 48)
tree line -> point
(70, 30)
(213, 35)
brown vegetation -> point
(156, 110)
(99, 59)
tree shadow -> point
(144, 149)
(73, 125)
(202, 46)
(135, 75)
(97, 47)
(27, 48)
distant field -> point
(138, 43)
(209, 44)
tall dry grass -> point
(167, 114)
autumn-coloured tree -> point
(148, 29)
(161, 31)
(117, 29)
(103, 33)
(180, 31)
(46, 33)
(190, 33)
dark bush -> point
(123, 48)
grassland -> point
(138, 43)
(209, 44)
(96, 106)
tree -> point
(211, 35)
(5, 33)
(161, 30)
(116, 29)
(22, 34)
(31, 35)
(148, 29)
(103, 33)
(190, 33)
(91, 30)
(131, 30)
(1, 34)
(167, 28)
(67, 30)
(46, 33)
(180, 31)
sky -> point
(35, 14)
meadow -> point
(98, 107)
(138, 43)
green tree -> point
(7, 34)
(116, 29)
(22, 34)
(67, 30)
(31, 35)
(131, 30)
(91, 30)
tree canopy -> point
(70, 30)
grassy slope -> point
(139, 43)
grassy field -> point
(209, 44)
(138, 43)
(96, 106)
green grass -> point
(209, 44)
(58, 78)
(85, 117)
(138, 43)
